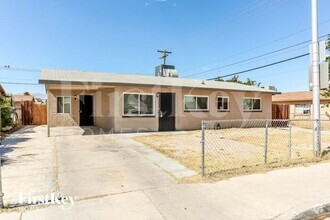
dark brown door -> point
(167, 112)
(86, 110)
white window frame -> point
(196, 110)
(252, 110)
(138, 115)
(228, 105)
(310, 109)
(63, 105)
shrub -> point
(5, 112)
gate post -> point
(290, 140)
(266, 141)
(203, 149)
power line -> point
(240, 17)
(276, 40)
(261, 67)
(279, 73)
(262, 55)
(272, 56)
(18, 83)
(20, 69)
(17, 79)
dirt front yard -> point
(234, 149)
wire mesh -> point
(231, 145)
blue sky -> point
(123, 36)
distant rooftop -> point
(50, 76)
(19, 98)
(302, 96)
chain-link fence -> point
(229, 145)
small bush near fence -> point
(230, 145)
(5, 112)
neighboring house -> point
(18, 101)
(132, 103)
(301, 106)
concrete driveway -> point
(114, 177)
(28, 164)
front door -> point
(86, 110)
(167, 112)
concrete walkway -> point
(113, 177)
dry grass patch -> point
(237, 151)
(181, 147)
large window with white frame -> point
(303, 109)
(252, 104)
(138, 104)
(63, 104)
(223, 103)
(196, 103)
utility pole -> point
(316, 80)
(165, 54)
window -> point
(303, 109)
(252, 104)
(64, 104)
(196, 102)
(223, 103)
(138, 104)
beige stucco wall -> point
(324, 111)
(185, 120)
(65, 119)
(108, 108)
(103, 108)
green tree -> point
(26, 93)
(235, 79)
(5, 112)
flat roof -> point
(55, 76)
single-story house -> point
(18, 100)
(301, 104)
(133, 103)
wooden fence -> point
(33, 114)
(280, 111)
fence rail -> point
(229, 145)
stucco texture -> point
(108, 108)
